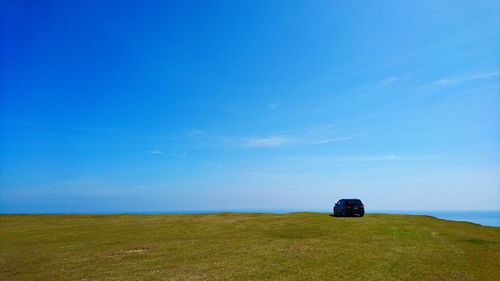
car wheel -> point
(362, 214)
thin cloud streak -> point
(271, 141)
(316, 136)
(331, 140)
(278, 141)
(452, 81)
(386, 81)
(155, 151)
(215, 165)
(379, 158)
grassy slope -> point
(298, 246)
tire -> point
(361, 215)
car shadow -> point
(352, 216)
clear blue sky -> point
(215, 105)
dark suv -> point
(349, 207)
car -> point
(349, 207)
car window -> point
(354, 202)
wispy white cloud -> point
(323, 140)
(155, 151)
(313, 136)
(472, 77)
(215, 165)
(324, 134)
(385, 82)
(270, 141)
(273, 106)
(381, 158)
(276, 141)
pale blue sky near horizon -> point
(121, 106)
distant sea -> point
(488, 218)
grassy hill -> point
(297, 246)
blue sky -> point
(216, 105)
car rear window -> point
(354, 202)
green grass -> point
(297, 246)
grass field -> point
(296, 246)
